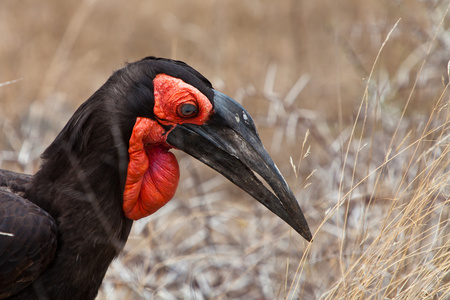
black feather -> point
(81, 182)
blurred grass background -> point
(362, 139)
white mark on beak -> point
(245, 118)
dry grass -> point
(350, 97)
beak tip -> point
(304, 231)
(307, 235)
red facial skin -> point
(153, 172)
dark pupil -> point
(188, 109)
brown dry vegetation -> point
(353, 95)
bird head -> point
(163, 104)
(189, 115)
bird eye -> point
(187, 110)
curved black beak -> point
(230, 144)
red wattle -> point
(158, 184)
(152, 176)
(153, 173)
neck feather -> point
(81, 185)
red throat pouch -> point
(153, 172)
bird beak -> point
(229, 143)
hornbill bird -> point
(111, 164)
